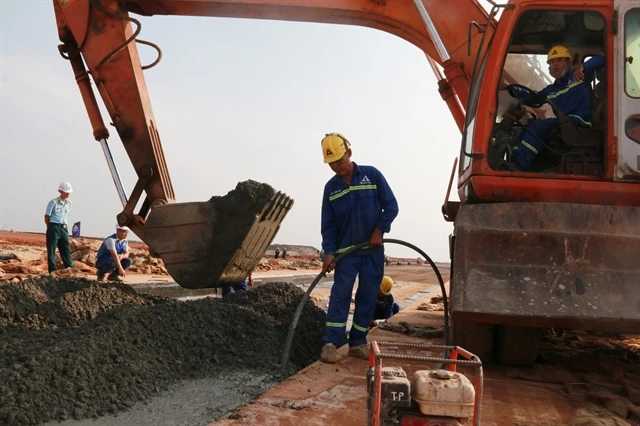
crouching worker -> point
(386, 307)
(113, 255)
(241, 286)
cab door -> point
(627, 90)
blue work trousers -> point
(107, 264)
(370, 269)
(241, 286)
(526, 151)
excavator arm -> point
(217, 242)
(99, 38)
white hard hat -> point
(65, 187)
(122, 228)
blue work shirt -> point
(112, 242)
(574, 97)
(58, 210)
(351, 212)
(384, 305)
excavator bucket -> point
(220, 241)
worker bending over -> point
(386, 307)
(241, 286)
(113, 255)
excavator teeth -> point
(220, 241)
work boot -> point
(116, 277)
(101, 277)
(360, 351)
(329, 353)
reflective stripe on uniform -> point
(531, 147)
(563, 91)
(359, 328)
(586, 123)
(358, 187)
(336, 324)
(351, 188)
(339, 194)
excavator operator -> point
(570, 92)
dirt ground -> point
(23, 255)
(77, 349)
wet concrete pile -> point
(596, 368)
(73, 348)
(238, 207)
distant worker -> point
(56, 217)
(284, 253)
(357, 206)
(113, 256)
(570, 92)
(277, 252)
(243, 285)
(386, 307)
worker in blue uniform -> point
(570, 92)
(56, 217)
(241, 286)
(113, 256)
(357, 206)
(386, 307)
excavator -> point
(556, 245)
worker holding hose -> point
(357, 206)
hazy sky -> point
(234, 99)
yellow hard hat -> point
(386, 286)
(334, 145)
(558, 52)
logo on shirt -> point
(365, 180)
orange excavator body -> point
(551, 246)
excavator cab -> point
(567, 148)
(549, 246)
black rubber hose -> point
(292, 328)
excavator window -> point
(568, 143)
(632, 69)
(632, 53)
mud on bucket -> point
(220, 241)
